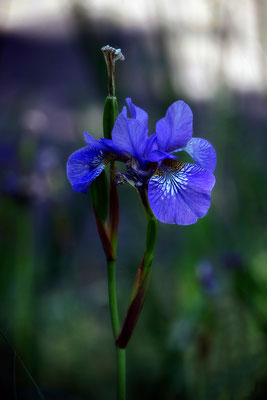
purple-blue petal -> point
(90, 140)
(180, 193)
(136, 112)
(159, 156)
(84, 165)
(124, 111)
(129, 135)
(105, 145)
(202, 152)
(151, 144)
(176, 128)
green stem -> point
(120, 353)
(113, 305)
(121, 373)
(151, 237)
(109, 117)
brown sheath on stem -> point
(104, 237)
(134, 309)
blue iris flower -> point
(178, 193)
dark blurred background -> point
(203, 330)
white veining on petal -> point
(84, 166)
(180, 193)
(202, 152)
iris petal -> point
(136, 112)
(90, 140)
(159, 155)
(202, 152)
(106, 145)
(151, 144)
(176, 128)
(84, 165)
(129, 135)
(180, 193)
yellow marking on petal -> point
(109, 158)
(169, 166)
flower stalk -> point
(114, 314)
(109, 117)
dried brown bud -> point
(111, 56)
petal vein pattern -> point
(84, 165)
(180, 193)
(202, 153)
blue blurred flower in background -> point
(207, 277)
(178, 193)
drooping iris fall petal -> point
(180, 193)
(84, 165)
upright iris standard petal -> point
(151, 144)
(202, 153)
(84, 165)
(176, 128)
(129, 135)
(179, 193)
(136, 112)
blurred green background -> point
(202, 333)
